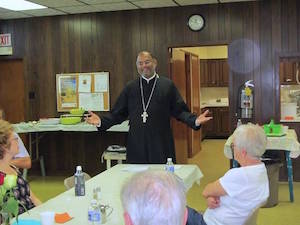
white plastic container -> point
(288, 109)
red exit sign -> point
(5, 40)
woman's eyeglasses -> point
(13, 139)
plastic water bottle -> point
(94, 214)
(170, 165)
(79, 182)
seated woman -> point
(22, 160)
(8, 149)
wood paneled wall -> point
(110, 41)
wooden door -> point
(178, 75)
(193, 100)
(12, 90)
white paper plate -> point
(49, 121)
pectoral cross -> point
(144, 115)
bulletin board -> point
(89, 91)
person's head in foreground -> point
(249, 144)
(154, 198)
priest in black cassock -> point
(149, 102)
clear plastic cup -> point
(47, 218)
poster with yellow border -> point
(89, 91)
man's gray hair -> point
(154, 198)
(252, 138)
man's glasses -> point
(232, 146)
(140, 63)
(232, 149)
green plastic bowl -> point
(267, 128)
(276, 128)
(273, 129)
(79, 111)
(70, 120)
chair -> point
(113, 152)
(252, 219)
(70, 181)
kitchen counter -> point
(215, 104)
(296, 120)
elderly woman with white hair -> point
(234, 197)
(154, 198)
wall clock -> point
(196, 22)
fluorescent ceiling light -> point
(18, 5)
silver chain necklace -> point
(144, 115)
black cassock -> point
(150, 142)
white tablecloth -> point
(110, 182)
(31, 127)
(289, 142)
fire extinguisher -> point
(246, 94)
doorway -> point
(201, 75)
(12, 90)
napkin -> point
(62, 217)
(27, 222)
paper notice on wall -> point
(84, 83)
(67, 91)
(101, 82)
(91, 101)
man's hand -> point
(213, 202)
(93, 119)
(203, 118)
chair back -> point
(252, 219)
(70, 181)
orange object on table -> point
(288, 117)
(62, 217)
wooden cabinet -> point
(219, 125)
(223, 122)
(210, 126)
(203, 72)
(287, 72)
(224, 73)
(214, 72)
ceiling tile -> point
(85, 6)
(43, 12)
(2, 10)
(13, 15)
(57, 3)
(196, 2)
(153, 3)
(97, 2)
(116, 6)
(80, 9)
